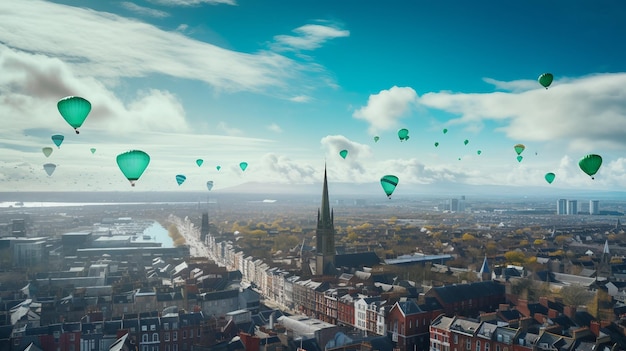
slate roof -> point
(461, 292)
(409, 307)
(357, 260)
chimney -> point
(543, 301)
(272, 321)
(595, 328)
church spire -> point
(325, 235)
(325, 218)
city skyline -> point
(218, 81)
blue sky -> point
(286, 85)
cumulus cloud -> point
(300, 98)
(111, 46)
(383, 110)
(284, 170)
(514, 86)
(588, 112)
(143, 11)
(308, 37)
(228, 130)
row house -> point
(469, 299)
(345, 310)
(173, 332)
(408, 323)
(361, 306)
(289, 283)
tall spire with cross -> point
(325, 235)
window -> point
(455, 338)
(468, 344)
(72, 337)
(152, 327)
(486, 346)
(166, 326)
(166, 336)
(477, 345)
(497, 347)
(175, 336)
(144, 328)
(198, 335)
(184, 334)
(144, 338)
(155, 337)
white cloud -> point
(383, 110)
(275, 128)
(300, 98)
(281, 169)
(514, 86)
(143, 11)
(308, 37)
(182, 27)
(34, 83)
(192, 2)
(111, 46)
(228, 130)
(589, 112)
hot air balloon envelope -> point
(199, 162)
(376, 138)
(550, 177)
(243, 165)
(93, 150)
(403, 134)
(57, 139)
(520, 158)
(132, 164)
(436, 143)
(479, 152)
(343, 153)
(180, 179)
(590, 164)
(519, 148)
(209, 185)
(445, 130)
(389, 183)
(74, 110)
(47, 151)
(218, 167)
(465, 141)
(49, 168)
(545, 79)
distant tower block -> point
(204, 228)
(594, 207)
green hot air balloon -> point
(436, 143)
(199, 162)
(132, 164)
(545, 79)
(590, 164)
(57, 139)
(343, 153)
(550, 177)
(465, 142)
(445, 130)
(180, 179)
(479, 152)
(49, 168)
(520, 158)
(519, 148)
(376, 138)
(389, 183)
(218, 168)
(74, 110)
(47, 151)
(403, 134)
(93, 150)
(243, 165)
(209, 185)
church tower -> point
(485, 272)
(325, 236)
(604, 265)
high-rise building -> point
(561, 206)
(572, 207)
(454, 205)
(594, 207)
(204, 227)
(325, 236)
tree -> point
(515, 257)
(575, 295)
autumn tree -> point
(575, 295)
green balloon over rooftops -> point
(243, 165)
(479, 152)
(465, 142)
(389, 183)
(47, 151)
(74, 110)
(343, 153)
(180, 179)
(436, 143)
(209, 185)
(93, 150)
(550, 177)
(218, 168)
(545, 79)
(403, 134)
(590, 164)
(49, 168)
(376, 138)
(520, 158)
(132, 164)
(57, 139)
(445, 130)
(519, 148)
(199, 162)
